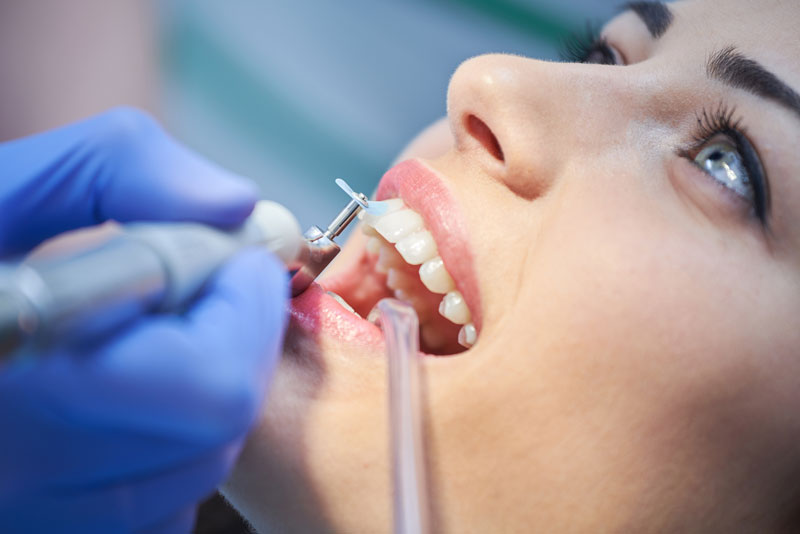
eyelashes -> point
(587, 46)
(741, 158)
(722, 122)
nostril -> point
(480, 131)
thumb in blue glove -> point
(128, 437)
(119, 165)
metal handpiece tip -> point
(360, 198)
(341, 221)
(320, 249)
(373, 207)
(345, 217)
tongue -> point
(362, 287)
(437, 334)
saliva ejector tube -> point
(411, 512)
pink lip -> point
(317, 312)
(424, 191)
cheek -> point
(639, 294)
(657, 318)
(627, 362)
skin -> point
(637, 369)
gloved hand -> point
(130, 435)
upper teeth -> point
(454, 308)
(417, 248)
(435, 277)
(396, 225)
(467, 335)
(406, 230)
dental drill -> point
(152, 267)
(162, 267)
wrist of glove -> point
(130, 435)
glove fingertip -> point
(242, 319)
(149, 175)
(259, 266)
(254, 284)
(201, 190)
(234, 203)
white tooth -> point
(398, 224)
(369, 230)
(396, 279)
(374, 315)
(435, 276)
(392, 204)
(417, 248)
(423, 311)
(467, 336)
(380, 267)
(387, 258)
(341, 301)
(368, 220)
(373, 245)
(454, 308)
(401, 294)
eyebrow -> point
(727, 65)
(740, 72)
(655, 15)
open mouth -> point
(408, 256)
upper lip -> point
(425, 191)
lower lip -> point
(316, 312)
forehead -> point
(755, 24)
(765, 30)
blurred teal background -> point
(292, 93)
(295, 94)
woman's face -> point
(634, 281)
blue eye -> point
(722, 150)
(722, 161)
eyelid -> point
(697, 145)
(755, 165)
(711, 197)
(759, 181)
(615, 49)
(731, 134)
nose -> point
(521, 119)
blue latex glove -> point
(129, 436)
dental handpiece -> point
(149, 267)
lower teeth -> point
(342, 302)
(467, 335)
(398, 239)
(374, 315)
(454, 308)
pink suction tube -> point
(410, 486)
